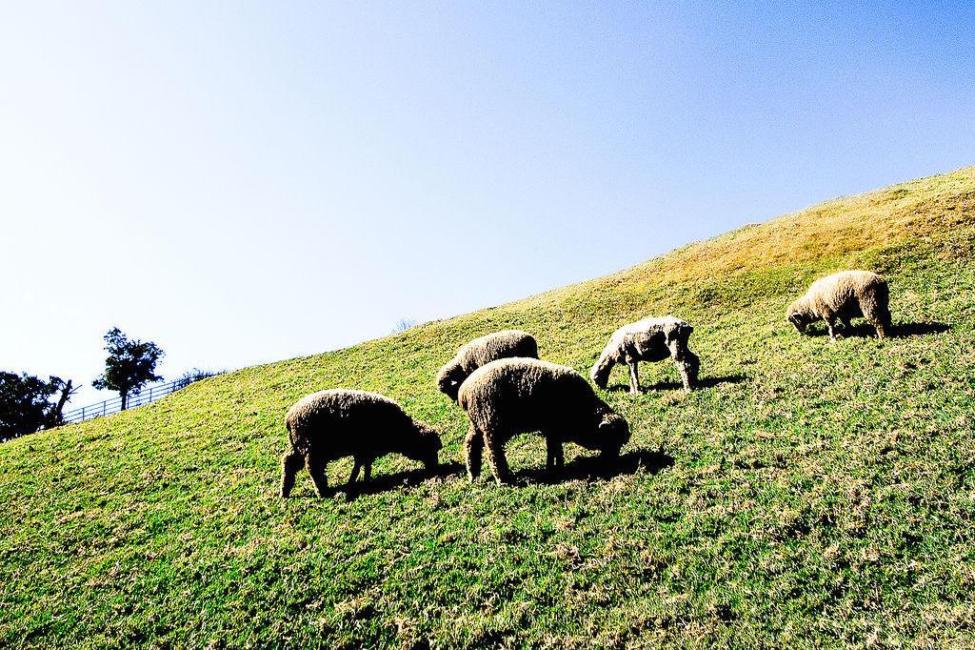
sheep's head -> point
(799, 316)
(449, 379)
(615, 432)
(600, 371)
(609, 435)
(426, 447)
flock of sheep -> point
(506, 390)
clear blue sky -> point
(245, 182)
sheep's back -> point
(342, 417)
(497, 345)
(519, 383)
(647, 337)
(846, 287)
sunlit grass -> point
(819, 493)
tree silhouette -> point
(55, 416)
(25, 404)
(130, 365)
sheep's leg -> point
(884, 322)
(291, 464)
(368, 468)
(684, 376)
(680, 362)
(473, 449)
(497, 459)
(634, 379)
(831, 325)
(690, 366)
(879, 317)
(356, 466)
(875, 307)
(554, 454)
(316, 467)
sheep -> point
(840, 297)
(473, 355)
(650, 339)
(331, 424)
(512, 396)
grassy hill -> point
(813, 493)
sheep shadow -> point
(588, 468)
(903, 330)
(897, 331)
(706, 382)
(396, 480)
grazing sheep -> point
(483, 350)
(840, 297)
(331, 424)
(512, 396)
(651, 339)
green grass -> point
(819, 493)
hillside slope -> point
(811, 494)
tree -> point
(25, 404)
(55, 416)
(130, 365)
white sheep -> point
(332, 424)
(512, 396)
(650, 339)
(483, 350)
(840, 297)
